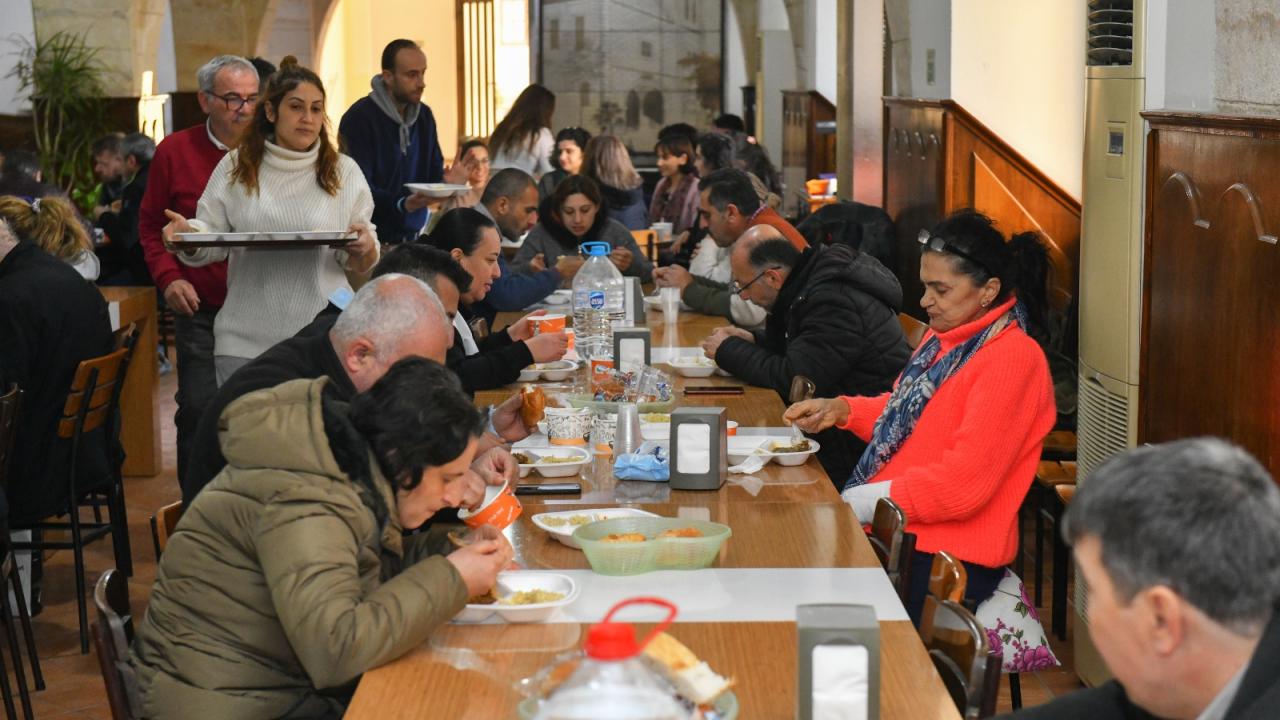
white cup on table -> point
(669, 299)
(663, 232)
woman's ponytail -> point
(1029, 270)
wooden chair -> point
(913, 329)
(648, 242)
(947, 578)
(112, 636)
(962, 655)
(893, 545)
(93, 403)
(162, 525)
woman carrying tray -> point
(286, 176)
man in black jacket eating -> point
(832, 318)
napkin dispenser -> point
(839, 662)
(633, 302)
(699, 448)
(631, 348)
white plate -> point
(554, 371)
(517, 580)
(552, 470)
(564, 533)
(559, 297)
(741, 447)
(653, 302)
(693, 366)
(792, 458)
(437, 190)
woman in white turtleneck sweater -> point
(285, 176)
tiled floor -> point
(75, 688)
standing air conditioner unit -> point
(1110, 257)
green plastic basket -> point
(633, 558)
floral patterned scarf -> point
(916, 386)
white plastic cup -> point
(670, 301)
(663, 231)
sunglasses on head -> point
(939, 244)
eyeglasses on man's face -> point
(739, 289)
(235, 102)
(938, 244)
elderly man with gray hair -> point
(1180, 546)
(393, 316)
(179, 171)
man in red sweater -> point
(179, 171)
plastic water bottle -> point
(612, 682)
(598, 301)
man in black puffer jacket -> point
(832, 318)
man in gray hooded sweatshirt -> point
(391, 134)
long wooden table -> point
(792, 518)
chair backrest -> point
(947, 578)
(913, 329)
(163, 523)
(648, 242)
(93, 390)
(113, 634)
(962, 653)
(10, 406)
(894, 547)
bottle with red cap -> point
(612, 682)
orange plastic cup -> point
(500, 508)
(731, 428)
(551, 323)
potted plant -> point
(63, 76)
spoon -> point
(802, 388)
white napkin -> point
(840, 675)
(750, 466)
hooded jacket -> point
(835, 321)
(288, 576)
(626, 206)
(553, 239)
(392, 151)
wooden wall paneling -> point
(1210, 339)
(915, 157)
(988, 175)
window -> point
(646, 49)
(579, 33)
(553, 36)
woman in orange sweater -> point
(956, 442)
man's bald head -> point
(392, 317)
(754, 236)
(760, 262)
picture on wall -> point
(628, 67)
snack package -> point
(533, 404)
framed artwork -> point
(629, 67)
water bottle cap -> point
(595, 249)
(610, 640)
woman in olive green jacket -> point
(288, 576)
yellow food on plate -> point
(655, 418)
(531, 597)
(624, 538)
(684, 532)
(801, 446)
(557, 459)
(574, 520)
